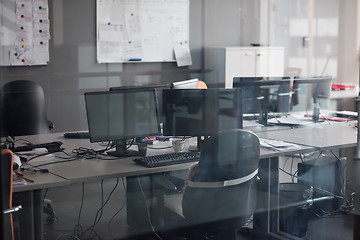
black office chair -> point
(221, 195)
(6, 166)
(23, 109)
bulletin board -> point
(141, 30)
(25, 32)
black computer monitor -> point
(120, 115)
(320, 88)
(261, 95)
(158, 88)
(201, 112)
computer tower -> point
(325, 175)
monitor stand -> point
(316, 111)
(199, 143)
(263, 119)
(121, 150)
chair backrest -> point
(224, 184)
(6, 166)
(23, 109)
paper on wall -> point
(182, 54)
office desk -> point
(95, 169)
(310, 139)
(84, 170)
(30, 198)
(320, 136)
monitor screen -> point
(320, 86)
(306, 87)
(186, 84)
(201, 112)
(261, 95)
(120, 115)
(158, 88)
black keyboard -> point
(51, 147)
(168, 159)
(77, 135)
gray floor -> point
(67, 202)
(112, 225)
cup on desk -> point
(142, 148)
(178, 145)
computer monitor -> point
(201, 112)
(186, 84)
(120, 115)
(320, 88)
(158, 88)
(261, 95)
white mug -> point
(178, 145)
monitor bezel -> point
(123, 137)
(243, 82)
(166, 127)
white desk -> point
(29, 196)
(321, 136)
(95, 169)
(311, 138)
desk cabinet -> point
(229, 62)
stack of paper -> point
(278, 145)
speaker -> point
(325, 175)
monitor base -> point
(127, 153)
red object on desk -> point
(22, 176)
(336, 119)
(340, 87)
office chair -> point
(220, 195)
(23, 109)
(6, 166)
(23, 112)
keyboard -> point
(51, 147)
(168, 159)
(77, 135)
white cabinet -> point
(229, 62)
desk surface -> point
(95, 169)
(318, 137)
(322, 137)
(41, 181)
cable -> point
(78, 228)
(147, 210)
(343, 209)
(121, 208)
(51, 163)
(100, 210)
(45, 194)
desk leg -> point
(30, 217)
(268, 221)
(38, 215)
(136, 208)
(356, 227)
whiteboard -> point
(140, 30)
(24, 32)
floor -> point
(111, 224)
(86, 218)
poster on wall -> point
(25, 26)
(141, 31)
